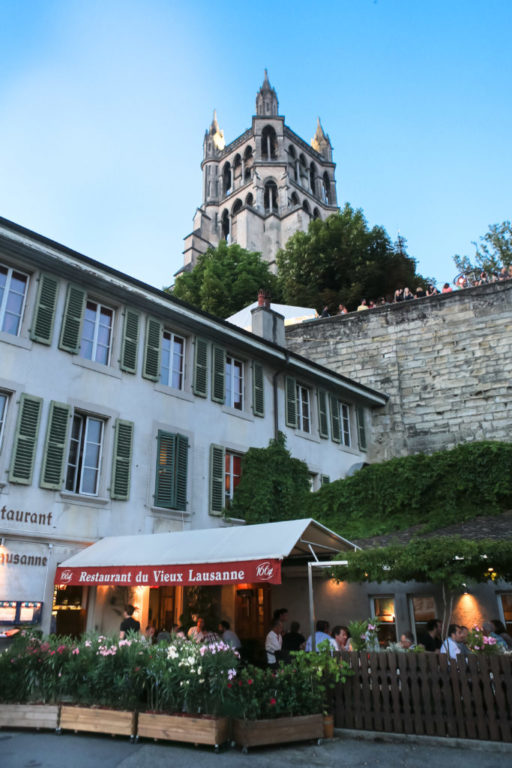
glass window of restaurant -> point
(383, 608)
(422, 608)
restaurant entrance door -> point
(162, 608)
(252, 619)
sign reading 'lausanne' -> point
(254, 571)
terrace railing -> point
(427, 694)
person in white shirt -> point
(450, 646)
(321, 634)
(274, 643)
(197, 632)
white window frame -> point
(7, 290)
(233, 365)
(97, 324)
(229, 475)
(79, 467)
(4, 404)
(167, 359)
(303, 395)
(345, 426)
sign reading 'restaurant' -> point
(268, 571)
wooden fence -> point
(427, 694)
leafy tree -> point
(342, 260)
(450, 561)
(492, 252)
(273, 486)
(225, 280)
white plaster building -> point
(262, 187)
(124, 411)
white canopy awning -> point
(230, 555)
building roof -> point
(292, 315)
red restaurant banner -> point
(268, 571)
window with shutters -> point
(52, 469)
(232, 475)
(84, 458)
(97, 332)
(361, 428)
(13, 292)
(25, 439)
(345, 424)
(258, 390)
(303, 408)
(4, 398)
(234, 383)
(171, 471)
(121, 461)
(172, 360)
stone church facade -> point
(262, 187)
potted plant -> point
(187, 690)
(287, 704)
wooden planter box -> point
(207, 729)
(97, 720)
(29, 716)
(258, 733)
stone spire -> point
(321, 142)
(216, 133)
(266, 100)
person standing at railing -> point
(450, 645)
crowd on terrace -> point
(462, 281)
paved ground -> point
(19, 749)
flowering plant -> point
(480, 643)
(364, 635)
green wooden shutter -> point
(180, 496)
(217, 470)
(218, 374)
(122, 459)
(324, 480)
(323, 419)
(258, 390)
(335, 420)
(52, 470)
(130, 341)
(165, 462)
(44, 312)
(25, 440)
(361, 430)
(200, 385)
(291, 402)
(71, 330)
(151, 369)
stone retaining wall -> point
(445, 362)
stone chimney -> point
(266, 322)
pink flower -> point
(250, 682)
(272, 702)
(76, 651)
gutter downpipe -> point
(311, 565)
(274, 385)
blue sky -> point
(104, 104)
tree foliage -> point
(342, 260)
(273, 486)
(429, 490)
(492, 252)
(225, 280)
(450, 561)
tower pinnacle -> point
(266, 100)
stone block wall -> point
(444, 361)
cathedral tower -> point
(262, 187)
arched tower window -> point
(306, 208)
(326, 187)
(312, 178)
(226, 179)
(294, 199)
(292, 160)
(303, 171)
(249, 200)
(237, 171)
(237, 206)
(225, 226)
(248, 163)
(316, 213)
(270, 196)
(268, 143)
